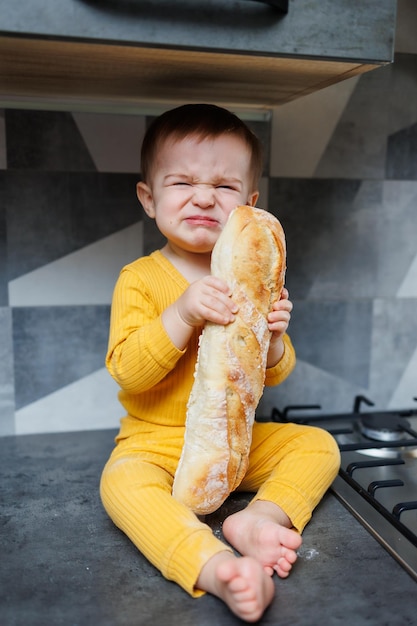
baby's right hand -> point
(208, 299)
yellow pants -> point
(290, 465)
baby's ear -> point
(145, 197)
(253, 198)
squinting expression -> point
(195, 185)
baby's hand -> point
(279, 317)
(208, 299)
(278, 320)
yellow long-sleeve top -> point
(156, 377)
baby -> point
(199, 162)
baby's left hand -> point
(279, 317)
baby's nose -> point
(204, 195)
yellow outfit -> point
(290, 465)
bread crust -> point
(250, 255)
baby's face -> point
(195, 185)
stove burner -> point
(383, 426)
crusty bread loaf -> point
(230, 371)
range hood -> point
(243, 53)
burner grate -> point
(376, 445)
(369, 494)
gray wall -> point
(341, 175)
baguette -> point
(229, 378)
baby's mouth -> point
(202, 220)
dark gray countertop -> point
(64, 563)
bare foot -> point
(241, 582)
(261, 531)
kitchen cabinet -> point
(238, 52)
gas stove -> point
(377, 480)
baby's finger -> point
(219, 284)
(282, 305)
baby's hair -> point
(202, 121)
